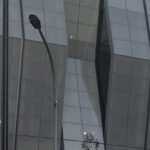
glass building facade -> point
(101, 53)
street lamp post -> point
(34, 20)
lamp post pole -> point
(34, 20)
(55, 92)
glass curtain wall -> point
(36, 109)
(127, 122)
(31, 94)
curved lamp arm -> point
(34, 20)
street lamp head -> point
(35, 21)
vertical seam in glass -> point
(78, 90)
(148, 105)
(130, 93)
(20, 74)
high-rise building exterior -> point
(127, 110)
(101, 53)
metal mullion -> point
(4, 128)
(19, 86)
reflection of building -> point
(78, 30)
